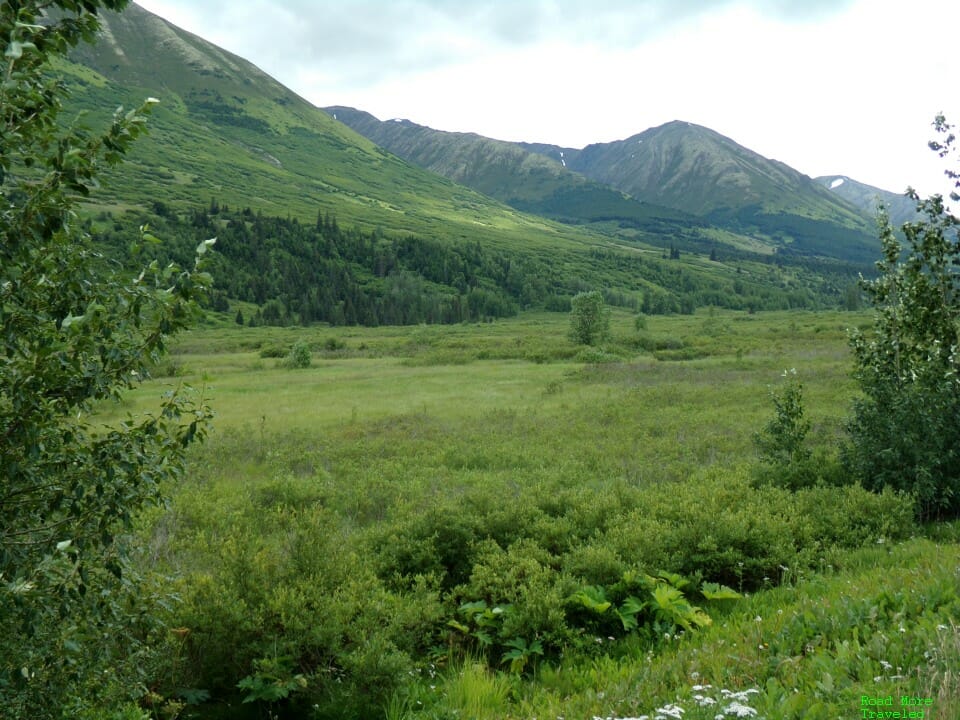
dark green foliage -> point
(301, 274)
(905, 431)
(781, 444)
(302, 625)
(74, 330)
(589, 318)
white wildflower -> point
(740, 710)
(674, 711)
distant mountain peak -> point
(868, 198)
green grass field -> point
(340, 517)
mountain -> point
(517, 176)
(316, 222)
(701, 172)
(868, 198)
(670, 180)
(226, 131)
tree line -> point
(302, 273)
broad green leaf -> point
(715, 591)
(592, 597)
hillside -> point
(868, 198)
(226, 130)
(519, 177)
(699, 171)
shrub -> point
(292, 607)
(781, 443)
(522, 581)
(299, 356)
(272, 350)
(75, 330)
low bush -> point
(303, 611)
(299, 356)
(274, 350)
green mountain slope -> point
(868, 198)
(521, 178)
(226, 130)
(699, 171)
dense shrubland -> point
(353, 588)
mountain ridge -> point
(900, 208)
(670, 178)
(506, 171)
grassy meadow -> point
(488, 521)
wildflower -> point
(674, 711)
(737, 709)
(741, 695)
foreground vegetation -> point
(428, 522)
(504, 523)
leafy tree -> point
(905, 430)
(782, 440)
(589, 318)
(74, 330)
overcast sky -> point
(827, 86)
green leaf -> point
(714, 591)
(484, 638)
(592, 597)
(458, 626)
(628, 611)
(470, 608)
(677, 581)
